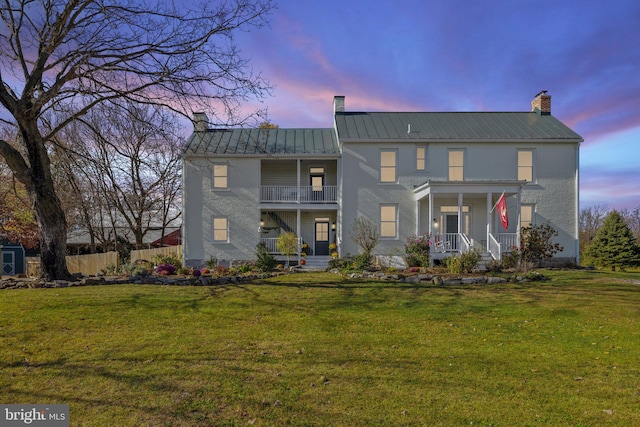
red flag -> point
(502, 211)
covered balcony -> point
(299, 181)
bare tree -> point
(62, 58)
(590, 220)
(632, 219)
(133, 155)
(364, 233)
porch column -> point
(518, 218)
(298, 227)
(417, 217)
(298, 185)
(489, 204)
(460, 213)
(431, 230)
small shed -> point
(13, 258)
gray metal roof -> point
(263, 142)
(453, 126)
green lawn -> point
(316, 349)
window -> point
(456, 165)
(220, 229)
(220, 176)
(388, 221)
(317, 178)
(525, 165)
(526, 215)
(421, 158)
(388, 166)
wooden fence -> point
(148, 254)
(93, 264)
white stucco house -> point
(409, 172)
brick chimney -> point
(542, 103)
(200, 122)
(338, 104)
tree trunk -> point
(53, 236)
(36, 177)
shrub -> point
(110, 270)
(287, 244)
(417, 250)
(221, 270)
(168, 259)
(511, 259)
(211, 262)
(362, 261)
(466, 262)
(136, 270)
(494, 266)
(537, 244)
(244, 268)
(338, 263)
(185, 271)
(166, 269)
(265, 261)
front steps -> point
(316, 263)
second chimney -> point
(338, 104)
(200, 122)
(542, 103)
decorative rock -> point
(91, 281)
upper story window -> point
(388, 166)
(456, 165)
(525, 165)
(421, 158)
(388, 221)
(220, 229)
(220, 175)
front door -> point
(451, 223)
(8, 264)
(322, 238)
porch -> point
(460, 216)
(315, 230)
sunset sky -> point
(466, 55)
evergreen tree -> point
(614, 244)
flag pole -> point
(496, 204)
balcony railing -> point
(294, 194)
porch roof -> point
(466, 187)
(263, 142)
